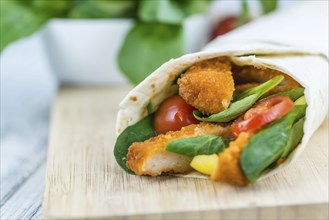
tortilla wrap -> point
(307, 67)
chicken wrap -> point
(237, 112)
(231, 116)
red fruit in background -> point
(225, 25)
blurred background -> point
(45, 43)
(48, 43)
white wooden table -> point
(23, 181)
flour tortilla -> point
(309, 69)
(286, 40)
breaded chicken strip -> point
(208, 85)
(150, 158)
(228, 167)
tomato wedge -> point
(262, 113)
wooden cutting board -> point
(84, 181)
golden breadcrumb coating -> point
(228, 167)
(208, 85)
(150, 158)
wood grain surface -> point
(84, 181)
(23, 164)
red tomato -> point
(224, 26)
(173, 114)
(262, 113)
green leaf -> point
(53, 8)
(147, 46)
(293, 94)
(268, 145)
(242, 102)
(268, 5)
(301, 101)
(103, 9)
(138, 132)
(17, 21)
(234, 111)
(261, 89)
(244, 13)
(295, 136)
(205, 144)
(164, 11)
(193, 7)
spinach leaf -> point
(295, 136)
(293, 94)
(244, 14)
(157, 37)
(138, 132)
(21, 18)
(193, 146)
(268, 145)
(193, 7)
(18, 20)
(242, 103)
(268, 5)
(53, 8)
(147, 46)
(103, 9)
(164, 11)
(234, 111)
(261, 89)
(169, 11)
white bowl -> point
(85, 51)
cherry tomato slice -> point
(173, 114)
(262, 113)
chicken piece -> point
(208, 85)
(228, 167)
(150, 158)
